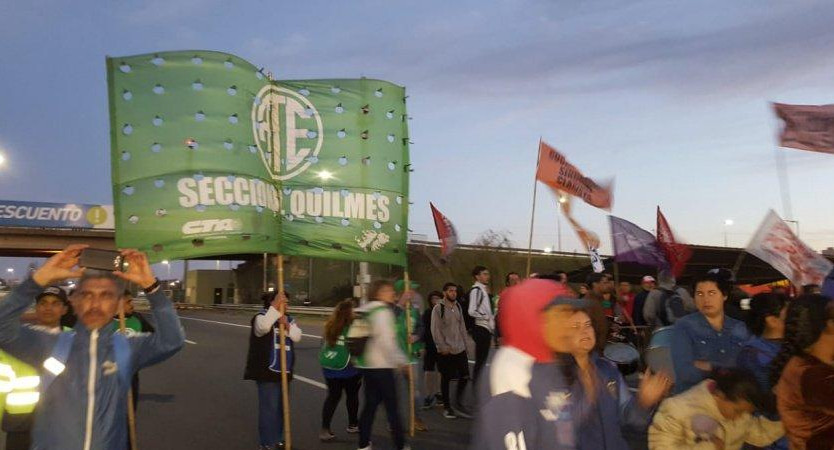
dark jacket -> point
(427, 337)
(756, 356)
(263, 361)
(639, 303)
(614, 408)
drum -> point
(659, 352)
(661, 337)
(624, 355)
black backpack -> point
(468, 320)
(671, 307)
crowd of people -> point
(572, 367)
(598, 366)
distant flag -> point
(634, 244)
(588, 238)
(445, 232)
(555, 171)
(807, 127)
(677, 254)
(775, 244)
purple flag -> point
(634, 244)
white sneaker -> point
(369, 447)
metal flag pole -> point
(411, 415)
(131, 414)
(533, 213)
(282, 339)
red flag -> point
(807, 127)
(445, 232)
(676, 253)
(555, 171)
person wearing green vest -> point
(339, 372)
(19, 381)
(417, 345)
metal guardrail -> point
(305, 310)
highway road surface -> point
(199, 400)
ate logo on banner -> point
(281, 123)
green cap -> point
(399, 285)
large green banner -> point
(211, 157)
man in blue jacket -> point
(86, 372)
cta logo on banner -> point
(55, 215)
(210, 156)
(775, 244)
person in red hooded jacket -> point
(526, 402)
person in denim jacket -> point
(709, 338)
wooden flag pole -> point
(131, 414)
(533, 213)
(282, 340)
(412, 419)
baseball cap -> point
(54, 291)
(648, 279)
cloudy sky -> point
(669, 98)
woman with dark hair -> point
(715, 414)
(707, 339)
(803, 373)
(608, 404)
(339, 372)
(382, 355)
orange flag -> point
(555, 171)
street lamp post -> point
(562, 200)
(727, 223)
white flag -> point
(775, 244)
(596, 261)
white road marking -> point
(247, 326)
(190, 342)
(239, 325)
(214, 321)
(309, 381)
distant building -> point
(209, 287)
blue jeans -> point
(270, 413)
